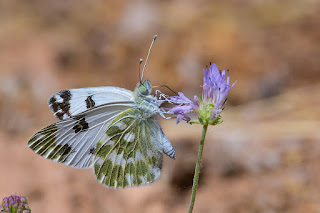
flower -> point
(15, 204)
(186, 106)
(208, 107)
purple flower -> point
(215, 88)
(15, 204)
(215, 92)
(185, 106)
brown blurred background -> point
(263, 158)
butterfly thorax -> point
(145, 102)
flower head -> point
(185, 106)
(208, 107)
(15, 204)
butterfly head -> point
(144, 87)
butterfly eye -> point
(143, 90)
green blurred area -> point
(263, 158)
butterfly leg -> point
(163, 116)
(162, 95)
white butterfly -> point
(110, 129)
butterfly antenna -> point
(167, 88)
(139, 69)
(145, 63)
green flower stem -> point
(197, 170)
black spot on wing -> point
(90, 102)
(81, 125)
(62, 106)
(65, 94)
(65, 151)
(60, 153)
(92, 150)
(53, 105)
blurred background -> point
(263, 158)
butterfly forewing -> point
(67, 103)
(128, 152)
(110, 129)
(73, 141)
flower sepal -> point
(215, 121)
(194, 122)
(205, 121)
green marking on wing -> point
(44, 144)
(60, 153)
(125, 155)
(44, 137)
(44, 140)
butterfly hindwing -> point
(67, 103)
(129, 152)
(73, 141)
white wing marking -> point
(68, 103)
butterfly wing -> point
(67, 103)
(129, 152)
(73, 141)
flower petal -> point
(181, 99)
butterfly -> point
(112, 130)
